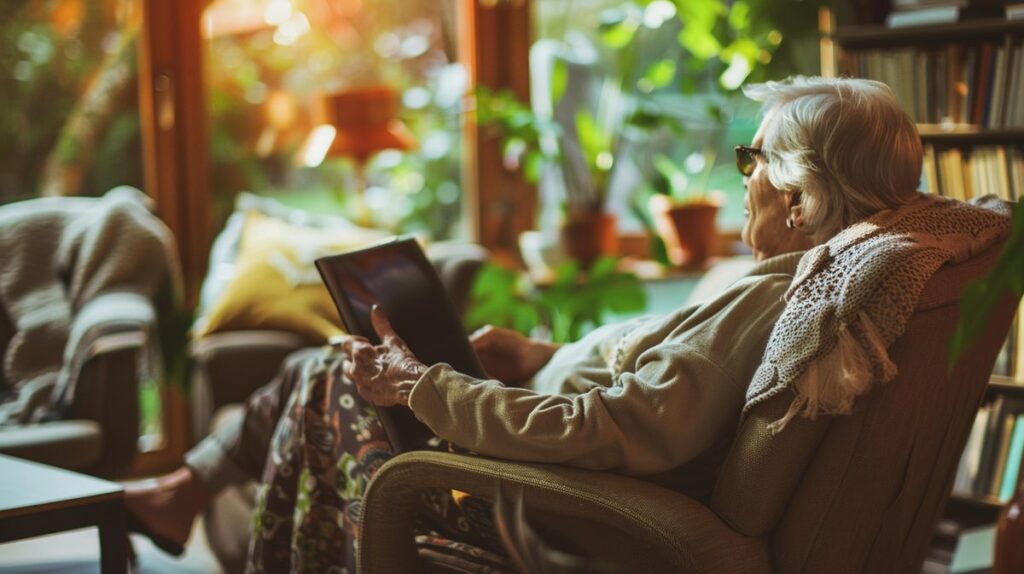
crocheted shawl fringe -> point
(853, 296)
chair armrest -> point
(662, 529)
(229, 366)
(109, 337)
(108, 393)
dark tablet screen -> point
(398, 277)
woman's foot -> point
(165, 507)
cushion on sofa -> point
(276, 286)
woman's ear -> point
(796, 209)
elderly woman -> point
(655, 397)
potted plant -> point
(590, 231)
(684, 215)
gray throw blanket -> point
(75, 269)
(851, 299)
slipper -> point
(169, 546)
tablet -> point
(399, 278)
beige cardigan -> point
(638, 397)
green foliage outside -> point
(61, 126)
(563, 311)
(667, 83)
(410, 50)
(663, 70)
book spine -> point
(972, 453)
(989, 446)
(967, 102)
(1015, 97)
(1013, 460)
(954, 93)
(997, 99)
(983, 84)
(931, 177)
(1002, 453)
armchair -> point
(100, 435)
(77, 319)
(859, 493)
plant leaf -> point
(559, 80)
(984, 295)
(739, 16)
(659, 74)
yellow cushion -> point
(276, 286)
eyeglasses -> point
(746, 159)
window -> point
(660, 79)
(69, 119)
(272, 67)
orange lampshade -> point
(358, 123)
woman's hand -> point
(383, 374)
(509, 356)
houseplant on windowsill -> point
(531, 143)
(588, 230)
(683, 215)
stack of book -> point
(956, 84)
(966, 173)
(909, 13)
(991, 463)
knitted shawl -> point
(851, 299)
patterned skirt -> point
(327, 446)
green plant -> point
(983, 296)
(660, 69)
(525, 135)
(575, 300)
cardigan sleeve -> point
(685, 392)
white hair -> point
(844, 143)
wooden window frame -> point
(494, 45)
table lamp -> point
(358, 123)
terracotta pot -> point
(688, 229)
(587, 235)
(1009, 552)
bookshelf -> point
(969, 136)
(964, 84)
(872, 37)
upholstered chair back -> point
(862, 493)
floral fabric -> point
(327, 446)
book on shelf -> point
(1008, 484)
(1002, 450)
(910, 13)
(924, 16)
(990, 466)
(976, 85)
(1015, 11)
(967, 471)
(965, 173)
